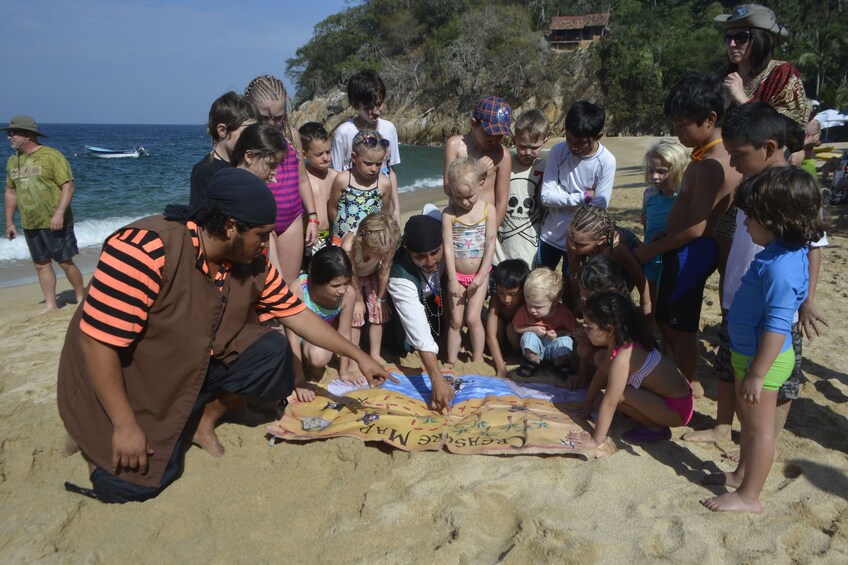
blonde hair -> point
(380, 233)
(533, 123)
(673, 153)
(460, 169)
(543, 282)
(267, 87)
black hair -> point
(600, 273)
(694, 97)
(585, 119)
(762, 52)
(618, 313)
(511, 273)
(365, 88)
(214, 220)
(262, 139)
(232, 110)
(795, 135)
(754, 123)
(786, 201)
(329, 263)
(310, 131)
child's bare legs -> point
(375, 338)
(315, 360)
(725, 409)
(755, 459)
(726, 400)
(684, 349)
(586, 367)
(648, 408)
(781, 413)
(457, 313)
(512, 337)
(290, 254)
(473, 319)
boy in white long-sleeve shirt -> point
(579, 171)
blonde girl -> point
(468, 231)
(371, 249)
(291, 188)
(664, 164)
(592, 232)
(361, 190)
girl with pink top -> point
(290, 186)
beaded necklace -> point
(437, 299)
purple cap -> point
(494, 114)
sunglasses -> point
(11, 132)
(740, 38)
(372, 142)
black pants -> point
(263, 372)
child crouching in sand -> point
(783, 209)
(544, 324)
(325, 293)
(637, 379)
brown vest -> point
(164, 369)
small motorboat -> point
(104, 153)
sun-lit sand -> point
(340, 500)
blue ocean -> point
(112, 192)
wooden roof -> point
(579, 22)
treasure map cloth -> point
(488, 416)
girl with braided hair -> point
(637, 378)
(291, 188)
(592, 232)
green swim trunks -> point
(777, 374)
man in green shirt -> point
(39, 183)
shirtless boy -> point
(490, 121)
(690, 254)
(315, 142)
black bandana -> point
(422, 234)
(239, 193)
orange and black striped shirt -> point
(128, 279)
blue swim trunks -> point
(684, 276)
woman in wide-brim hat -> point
(751, 35)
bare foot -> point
(49, 308)
(305, 393)
(731, 502)
(722, 479)
(717, 434)
(207, 439)
(697, 389)
(734, 455)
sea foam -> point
(90, 233)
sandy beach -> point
(342, 500)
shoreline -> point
(342, 498)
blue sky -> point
(145, 61)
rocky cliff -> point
(427, 124)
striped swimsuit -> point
(286, 191)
